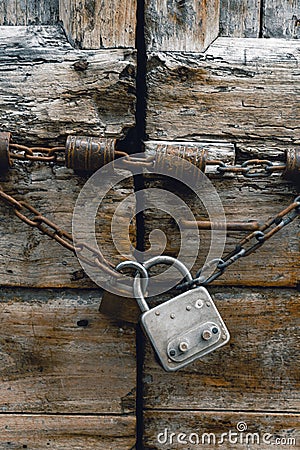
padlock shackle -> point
(141, 270)
(139, 292)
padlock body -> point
(185, 328)
(121, 308)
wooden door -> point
(240, 98)
(71, 377)
(68, 374)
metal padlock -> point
(182, 329)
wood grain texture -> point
(255, 371)
(276, 263)
(240, 89)
(181, 25)
(28, 12)
(240, 18)
(37, 432)
(44, 97)
(281, 18)
(29, 258)
(98, 23)
(212, 430)
(60, 355)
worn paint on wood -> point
(99, 24)
(211, 429)
(240, 18)
(59, 355)
(44, 97)
(64, 432)
(281, 18)
(28, 12)
(243, 88)
(181, 25)
(256, 371)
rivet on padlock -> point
(88, 154)
(292, 169)
(180, 332)
(168, 158)
(5, 161)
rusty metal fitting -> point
(88, 154)
(168, 157)
(5, 161)
(292, 169)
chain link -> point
(252, 168)
(24, 153)
(32, 217)
(257, 238)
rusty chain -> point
(252, 168)
(24, 153)
(96, 259)
(258, 237)
(37, 220)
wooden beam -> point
(255, 371)
(60, 355)
(181, 25)
(242, 88)
(28, 12)
(45, 97)
(240, 18)
(99, 24)
(65, 432)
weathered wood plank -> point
(240, 88)
(44, 97)
(99, 24)
(256, 371)
(60, 355)
(29, 258)
(243, 199)
(28, 12)
(220, 430)
(240, 18)
(185, 25)
(37, 432)
(281, 18)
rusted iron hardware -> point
(252, 168)
(88, 154)
(32, 217)
(251, 225)
(247, 245)
(80, 153)
(163, 161)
